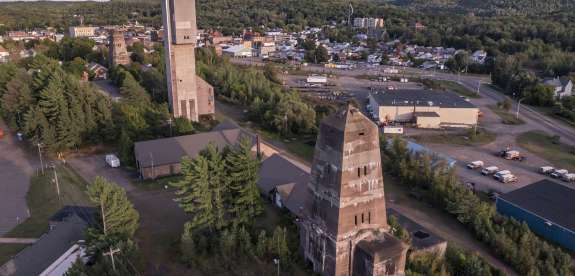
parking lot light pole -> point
(518, 106)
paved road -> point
(16, 169)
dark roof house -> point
(36, 258)
(171, 150)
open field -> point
(545, 146)
(451, 86)
(43, 202)
(469, 138)
(506, 117)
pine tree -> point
(243, 169)
(262, 244)
(194, 193)
(118, 216)
(245, 243)
(52, 100)
(217, 183)
(126, 148)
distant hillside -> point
(501, 7)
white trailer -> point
(390, 71)
(393, 130)
(317, 79)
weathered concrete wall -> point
(347, 187)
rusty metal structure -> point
(345, 230)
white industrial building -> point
(424, 108)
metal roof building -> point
(547, 207)
(425, 108)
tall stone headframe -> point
(180, 43)
(346, 231)
(347, 180)
(118, 49)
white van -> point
(112, 161)
(475, 165)
(489, 170)
(546, 170)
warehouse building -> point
(162, 157)
(423, 108)
(547, 207)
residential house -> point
(479, 56)
(562, 87)
(4, 55)
(98, 71)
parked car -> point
(475, 165)
(570, 177)
(546, 170)
(489, 170)
(506, 178)
(112, 161)
(511, 155)
(499, 175)
(558, 173)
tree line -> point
(509, 239)
(52, 107)
(268, 104)
(219, 190)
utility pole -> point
(518, 106)
(57, 183)
(277, 262)
(153, 169)
(478, 86)
(40, 155)
(111, 254)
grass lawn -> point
(543, 145)
(452, 86)
(506, 117)
(301, 146)
(43, 202)
(464, 139)
(158, 184)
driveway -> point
(161, 219)
(16, 169)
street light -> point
(518, 106)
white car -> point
(112, 161)
(559, 173)
(489, 170)
(546, 170)
(475, 165)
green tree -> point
(243, 169)
(117, 214)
